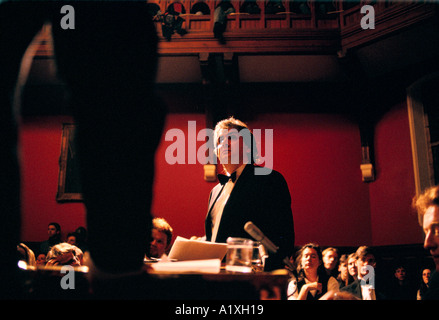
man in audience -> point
(427, 206)
(54, 232)
(161, 238)
(400, 286)
(245, 194)
(364, 287)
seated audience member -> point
(64, 254)
(427, 205)
(365, 286)
(343, 273)
(330, 261)
(423, 287)
(400, 287)
(81, 238)
(71, 238)
(161, 238)
(352, 267)
(311, 282)
(54, 232)
(172, 20)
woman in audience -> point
(352, 267)
(347, 270)
(312, 281)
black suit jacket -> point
(263, 199)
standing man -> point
(427, 206)
(245, 194)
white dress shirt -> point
(220, 203)
(368, 292)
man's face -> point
(368, 260)
(158, 244)
(400, 274)
(431, 229)
(51, 230)
(231, 148)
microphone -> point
(257, 234)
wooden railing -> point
(285, 32)
(390, 16)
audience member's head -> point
(365, 257)
(54, 229)
(330, 259)
(161, 237)
(427, 205)
(308, 259)
(71, 238)
(64, 254)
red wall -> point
(318, 154)
(40, 143)
(181, 194)
(393, 219)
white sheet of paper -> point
(184, 249)
(196, 266)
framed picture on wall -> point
(69, 186)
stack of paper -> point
(192, 256)
(184, 249)
(196, 266)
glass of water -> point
(239, 255)
(258, 257)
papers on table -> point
(192, 256)
(197, 266)
(184, 249)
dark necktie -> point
(223, 178)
